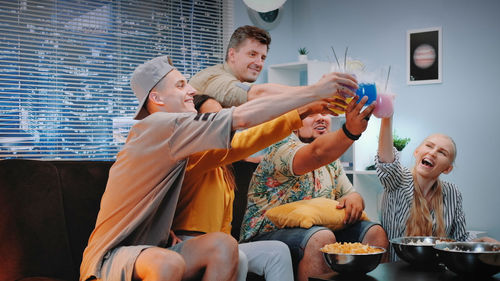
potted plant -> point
(399, 142)
(303, 54)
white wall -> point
(464, 105)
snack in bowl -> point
(350, 248)
(352, 258)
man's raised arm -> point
(266, 108)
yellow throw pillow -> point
(306, 213)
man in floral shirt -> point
(304, 166)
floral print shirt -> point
(274, 183)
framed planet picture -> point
(424, 56)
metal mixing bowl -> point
(418, 250)
(470, 258)
(354, 263)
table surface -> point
(400, 270)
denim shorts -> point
(297, 238)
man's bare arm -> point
(266, 108)
(329, 147)
(268, 89)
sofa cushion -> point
(33, 234)
(82, 183)
(243, 172)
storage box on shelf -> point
(360, 155)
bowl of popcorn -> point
(470, 258)
(418, 250)
(352, 258)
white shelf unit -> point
(297, 73)
(361, 154)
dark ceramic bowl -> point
(470, 258)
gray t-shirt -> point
(138, 205)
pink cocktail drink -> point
(385, 106)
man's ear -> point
(154, 98)
(230, 54)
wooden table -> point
(398, 271)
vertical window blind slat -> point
(64, 82)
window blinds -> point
(66, 65)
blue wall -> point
(464, 105)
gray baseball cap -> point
(145, 77)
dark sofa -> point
(48, 210)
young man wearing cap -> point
(130, 238)
(229, 83)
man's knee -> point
(318, 240)
(376, 235)
(276, 252)
(280, 251)
(321, 238)
(159, 264)
(313, 262)
(243, 260)
(223, 240)
(171, 265)
(281, 248)
(242, 265)
(222, 245)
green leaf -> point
(303, 51)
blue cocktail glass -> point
(367, 89)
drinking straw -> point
(387, 80)
(345, 58)
(337, 59)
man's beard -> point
(307, 140)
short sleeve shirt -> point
(274, 184)
(219, 82)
